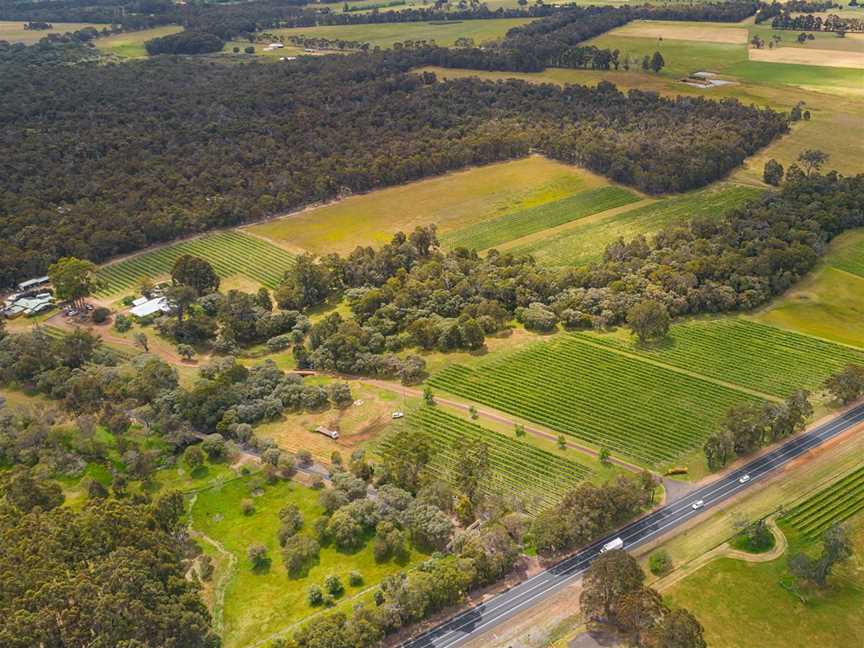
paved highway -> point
(472, 623)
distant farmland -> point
(607, 399)
(760, 357)
(518, 469)
(230, 253)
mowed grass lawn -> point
(14, 32)
(743, 604)
(636, 408)
(759, 357)
(585, 240)
(383, 35)
(830, 302)
(131, 44)
(258, 604)
(450, 201)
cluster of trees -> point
(747, 428)
(111, 574)
(614, 593)
(837, 547)
(319, 42)
(122, 15)
(768, 11)
(810, 23)
(185, 42)
(847, 385)
(47, 52)
(62, 199)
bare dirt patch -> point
(804, 56)
(706, 34)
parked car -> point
(397, 415)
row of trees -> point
(768, 11)
(810, 23)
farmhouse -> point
(149, 307)
(28, 306)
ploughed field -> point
(230, 253)
(537, 477)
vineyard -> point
(518, 469)
(760, 357)
(835, 503)
(515, 225)
(120, 353)
(230, 253)
(632, 407)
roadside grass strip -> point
(230, 253)
(836, 502)
(757, 356)
(521, 223)
(634, 408)
(519, 470)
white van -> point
(617, 543)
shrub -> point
(660, 563)
(298, 554)
(258, 556)
(334, 585)
(193, 456)
(316, 596)
(100, 315)
(304, 458)
(247, 507)
(122, 323)
(355, 579)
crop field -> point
(230, 253)
(515, 225)
(519, 470)
(131, 44)
(636, 408)
(14, 32)
(688, 31)
(585, 242)
(803, 56)
(830, 302)
(385, 34)
(836, 503)
(450, 201)
(759, 357)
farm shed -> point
(151, 307)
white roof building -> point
(150, 307)
(31, 283)
(139, 301)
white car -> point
(743, 479)
(397, 415)
(698, 504)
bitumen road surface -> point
(472, 623)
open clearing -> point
(230, 253)
(131, 44)
(584, 241)
(803, 56)
(633, 407)
(14, 32)
(739, 351)
(698, 32)
(830, 302)
(519, 470)
(734, 599)
(522, 223)
(260, 603)
(384, 35)
(450, 201)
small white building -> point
(140, 300)
(150, 307)
(32, 283)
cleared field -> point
(699, 32)
(131, 44)
(763, 358)
(829, 303)
(384, 35)
(450, 201)
(522, 223)
(735, 599)
(821, 40)
(519, 470)
(14, 32)
(586, 240)
(259, 603)
(836, 503)
(635, 408)
(803, 56)
(230, 253)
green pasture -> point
(14, 32)
(759, 357)
(260, 603)
(131, 44)
(515, 225)
(635, 408)
(587, 239)
(384, 35)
